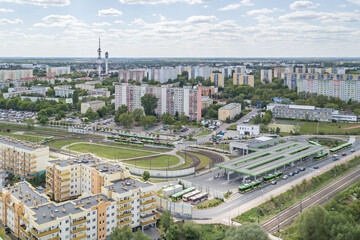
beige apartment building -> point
(243, 79)
(94, 105)
(229, 111)
(22, 158)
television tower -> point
(99, 61)
(106, 63)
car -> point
(291, 174)
(316, 167)
(343, 154)
(302, 169)
(285, 177)
(352, 150)
(297, 171)
(273, 183)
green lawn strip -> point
(328, 128)
(293, 195)
(157, 162)
(203, 133)
(135, 147)
(210, 203)
(58, 144)
(232, 127)
(24, 127)
(204, 160)
(219, 146)
(188, 162)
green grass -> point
(219, 146)
(232, 127)
(204, 160)
(136, 148)
(157, 162)
(188, 162)
(53, 157)
(328, 142)
(293, 195)
(210, 203)
(203, 133)
(109, 152)
(58, 144)
(329, 128)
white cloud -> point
(7, 21)
(118, 22)
(354, 1)
(101, 24)
(302, 5)
(59, 21)
(201, 19)
(321, 16)
(234, 6)
(6, 10)
(111, 12)
(153, 2)
(44, 3)
(259, 11)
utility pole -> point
(278, 217)
(300, 205)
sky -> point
(180, 28)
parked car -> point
(352, 150)
(316, 167)
(297, 171)
(343, 154)
(291, 174)
(302, 169)
(285, 177)
(273, 182)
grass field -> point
(203, 133)
(286, 128)
(109, 152)
(157, 162)
(232, 127)
(204, 160)
(58, 144)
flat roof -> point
(28, 194)
(127, 184)
(265, 160)
(230, 106)
(20, 143)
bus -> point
(272, 177)
(247, 187)
(279, 175)
(340, 148)
(47, 139)
(320, 156)
(186, 197)
(314, 143)
(198, 198)
(178, 195)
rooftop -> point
(90, 201)
(20, 143)
(230, 106)
(27, 194)
(124, 185)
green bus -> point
(272, 177)
(314, 143)
(340, 148)
(177, 196)
(320, 156)
(247, 187)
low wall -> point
(163, 173)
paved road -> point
(287, 216)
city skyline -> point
(180, 28)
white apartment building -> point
(56, 71)
(15, 75)
(266, 75)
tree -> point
(126, 120)
(121, 233)
(146, 175)
(167, 119)
(122, 109)
(278, 130)
(139, 235)
(147, 121)
(50, 92)
(191, 231)
(244, 232)
(30, 124)
(183, 118)
(177, 126)
(173, 232)
(137, 113)
(149, 103)
(75, 97)
(165, 220)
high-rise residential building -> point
(64, 92)
(339, 70)
(56, 71)
(208, 90)
(22, 158)
(279, 72)
(170, 100)
(218, 79)
(243, 79)
(343, 86)
(266, 75)
(300, 69)
(15, 75)
(93, 105)
(106, 198)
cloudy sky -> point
(180, 28)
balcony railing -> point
(79, 229)
(78, 222)
(124, 201)
(44, 233)
(123, 223)
(124, 208)
(124, 215)
(148, 195)
(148, 202)
(80, 236)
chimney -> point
(44, 214)
(63, 209)
(52, 215)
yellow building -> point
(229, 111)
(243, 79)
(94, 105)
(22, 158)
(106, 197)
(218, 79)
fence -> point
(163, 173)
(177, 209)
(210, 191)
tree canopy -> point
(149, 103)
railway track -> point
(215, 158)
(287, 216)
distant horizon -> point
(204, 58)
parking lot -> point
(16, 116)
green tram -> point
(340, 148)
(47, 139)
(272, 177)
(247, 187)
(320, 156)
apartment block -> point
(218, 79)
(15, 75)
(301, 112)
(104, 92)
(40, 92)
(208, 91)
(119, 201)
(56, 71)
(243, 79)
(94, 105)
(266, 75)
(65, 93)
(229, 111)
(85, 86)
(22, 158)
(170, 100)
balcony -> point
(148, 202)
(63, 173)
(24, 231)
(124, 215)
(148, 195)
(124, 201)
(124, 208)
(44, 233)
(55, 238)
(148, 222)
(78, 222)
(80, 236)
(148, 209)
(124, 222)
(80, 229)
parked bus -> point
(314, 143)
(272, 177)
(247, 187)
(178, 195)
(320, 156)
(186, 197)
(340, 148)
(198, 198)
